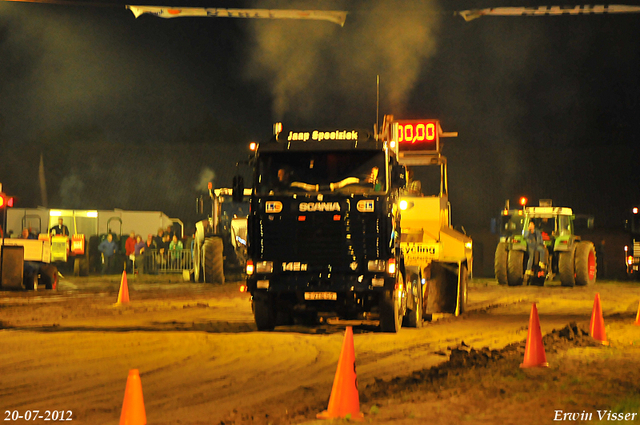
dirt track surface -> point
(201, 360)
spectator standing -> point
(138, 253)
(175, 251)
(108, 248)
(60, 229)
(149, 251)
(129, 250)
(170, 231)
(159, 237)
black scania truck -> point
(324, 230)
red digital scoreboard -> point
(417, 135)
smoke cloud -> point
(317, 68)
(206, 175)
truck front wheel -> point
(263, 312)
(390, 309)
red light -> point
(391, 266)
(210, 185)
(10, 202)
(337, 217)
(421, 135)
(523, 201)
(302, 217)
(250, 268)
(630, 260)
(243, 288)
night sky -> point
(142, 113)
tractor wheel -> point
(197, 262)
(31, 281)
(566, 267)
(263, 312)
(500, 263)
(585, 264)
(464, 290)
(49, 276)
(81, 266)
(515, 268)
(413, 318)
(213, 260)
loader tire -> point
(586, 267)
(566, 267)
(213, 262)
(500, 263)
(463, 295)
(515, 268)
(413, 318)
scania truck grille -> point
(318, 239)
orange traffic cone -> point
(534, 355)
(638, 316)
(596, 328)
(123, 294)
(344, 398)
(133, 412)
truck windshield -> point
(360, 172)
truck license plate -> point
(320, 296)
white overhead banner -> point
(469, 15)
(335, 16)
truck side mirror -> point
(238, 189)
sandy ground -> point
(201, 360)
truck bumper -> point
(349, 296)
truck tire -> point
(500, 263)
(566, 267)
(413, 318)
(81, 266)
(263, 312)
(463, 295)
(515, 268)
(212, 259)
(49, 276)
(585, 264)
(390, 314)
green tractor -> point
(569, 258)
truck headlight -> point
(264, 267)
(377, 265)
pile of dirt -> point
(463, 358)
